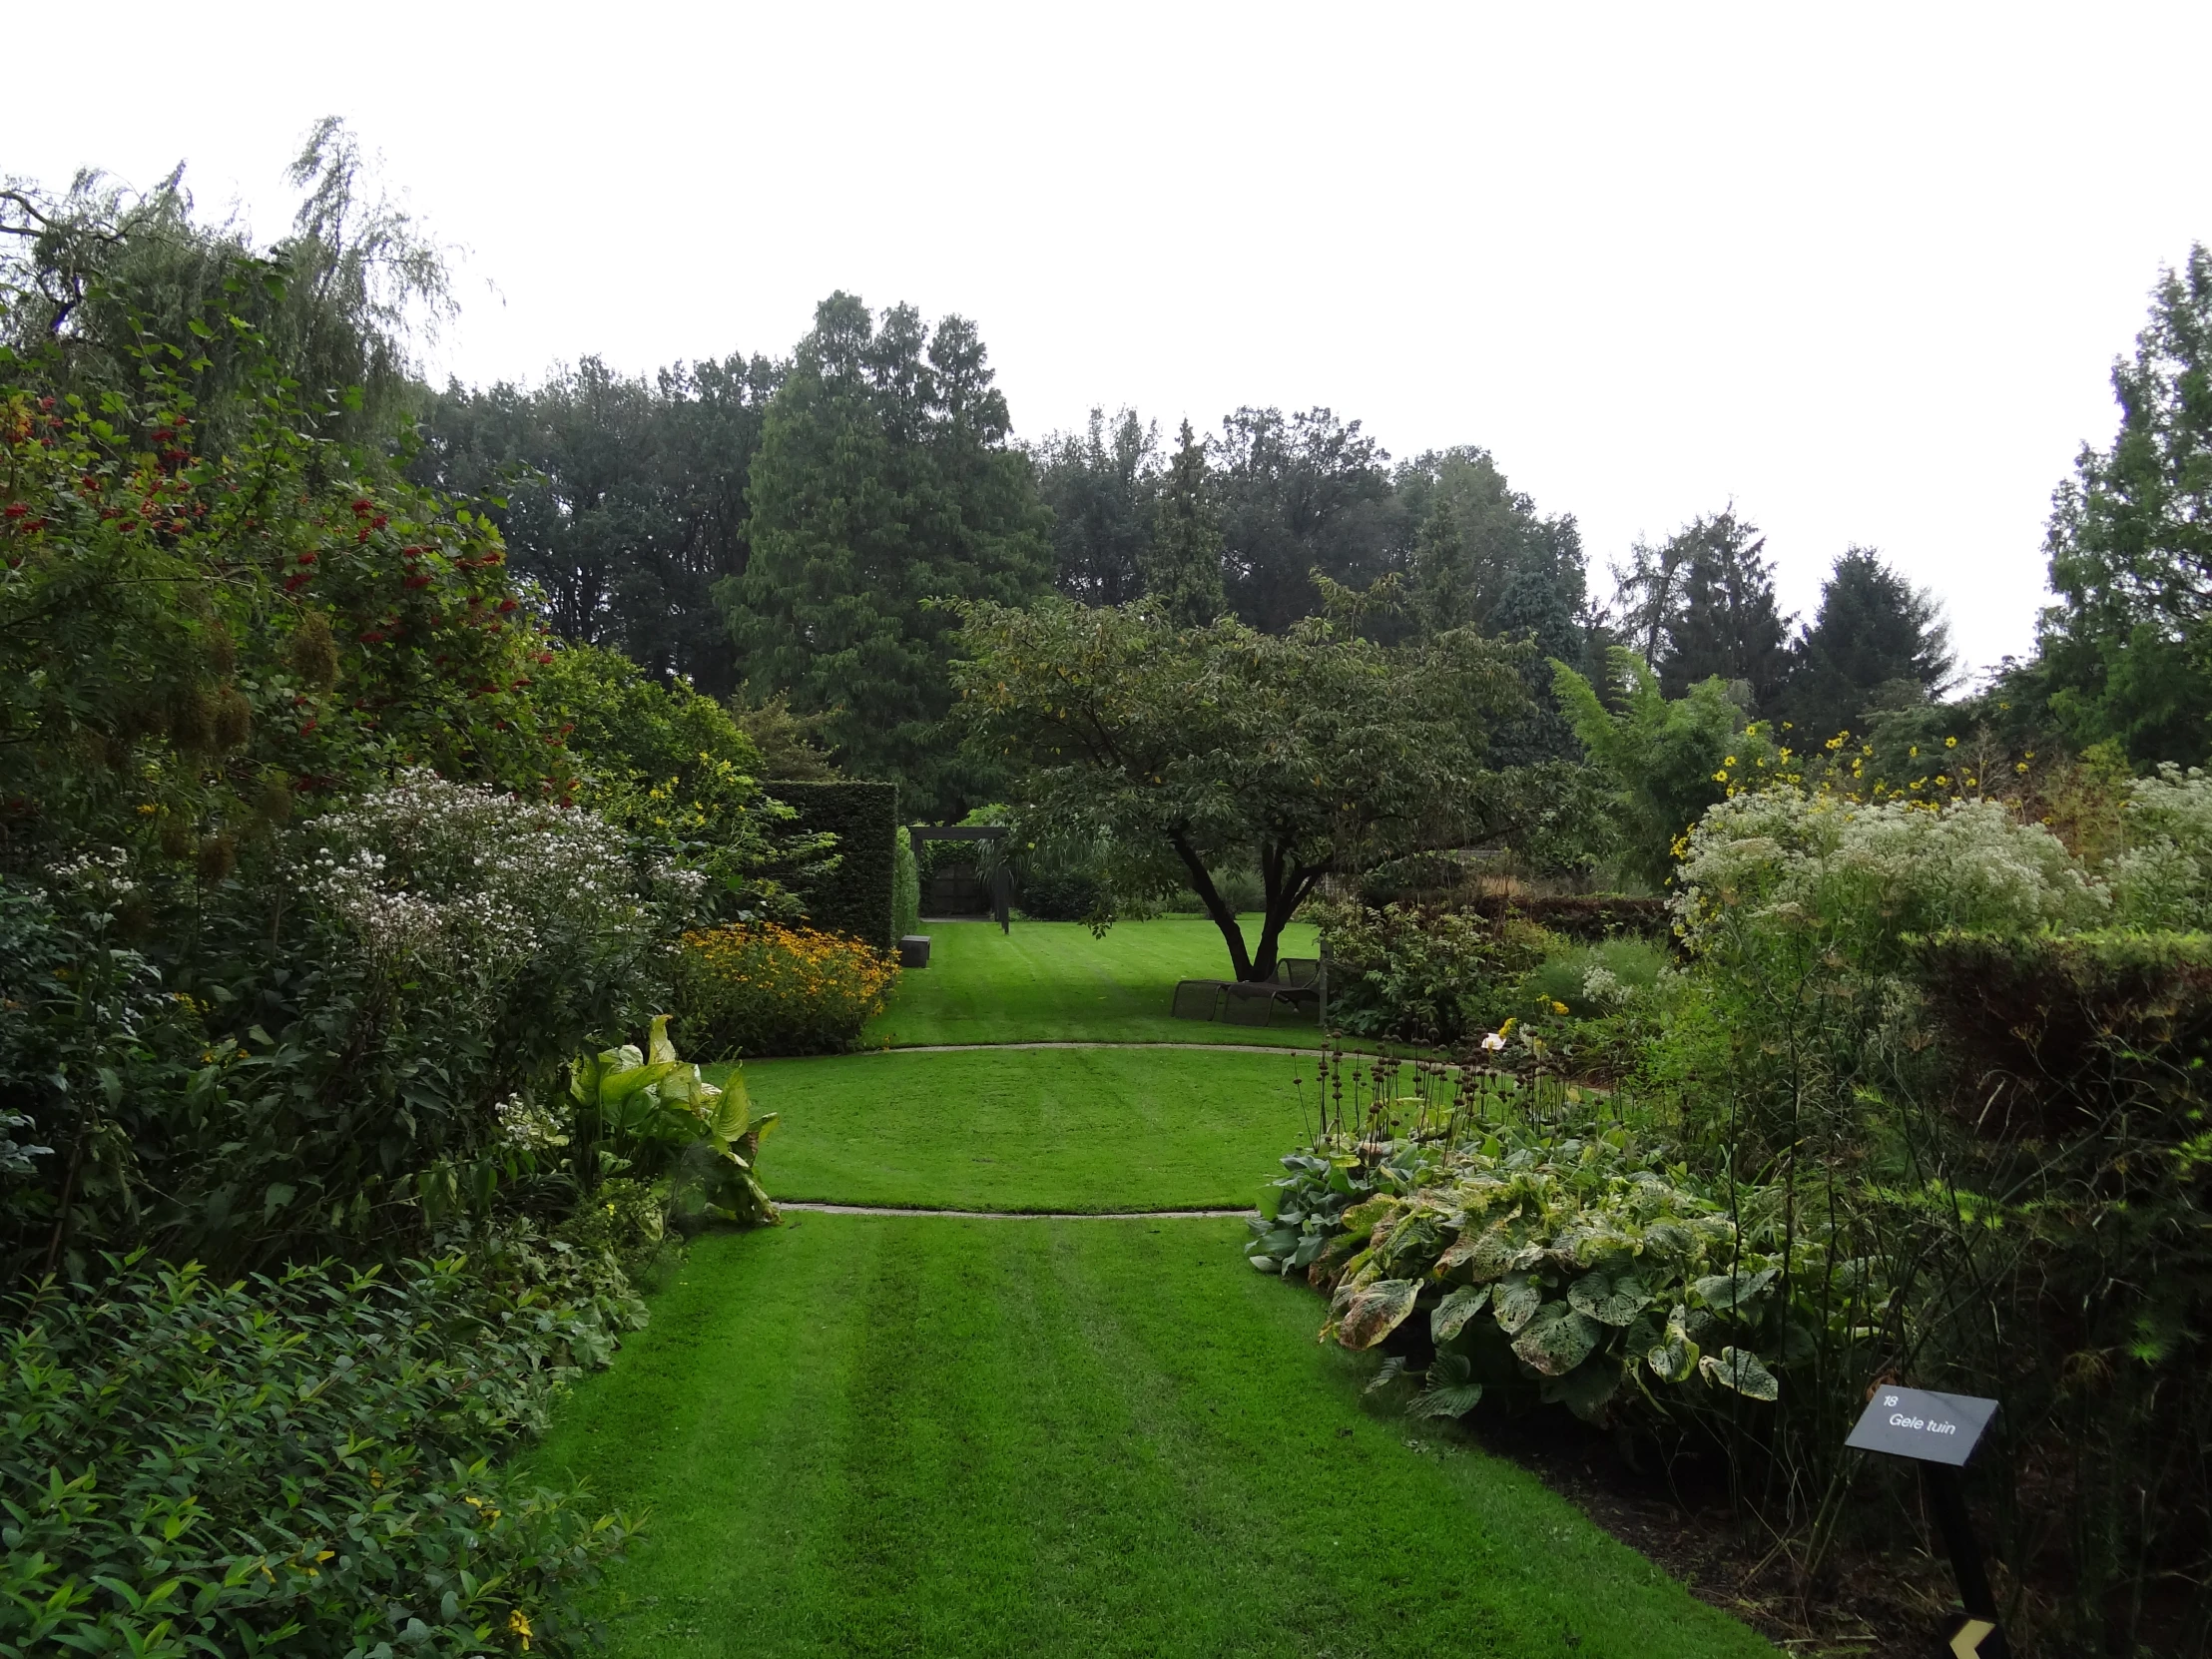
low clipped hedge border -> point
(857, 897)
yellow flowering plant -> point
(763, 988)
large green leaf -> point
(1375, 1310)
(1557, 1340)
(621, 1085)
(1743, 1370)
(1515, 1302)
(1485, 1254)
(1451, 1315)
(1674, 1356)
(657, 1046)
(1608, 1299)
(1730, 1292)
(1451, 1391)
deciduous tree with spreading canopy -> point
(1310, 752)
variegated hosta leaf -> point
(1608, 1299)
(1674, 1356)
(1557, 1340)
(1451, 1315)
(1729, 1290)
(1743, 1370)
(1374, 1311)
(1515, 1302)
(1362, 1218)
(1484, 1255)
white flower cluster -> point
(2164, 879)
(108, 872)
(1605, 987)
(1890, 867)
(464, 875)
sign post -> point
(1940, 1433)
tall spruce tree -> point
(1182, 575)
(884, 482)
(1702, 604)
(1876, 640)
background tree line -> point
(776, 529)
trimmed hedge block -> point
(856, 898)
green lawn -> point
(860, 1435)
(1030, 1128)
(1052, 981)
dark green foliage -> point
(623, 499)
(856, 896)
(886, 480)
(1876, 639)
(1102, 487)
(1185, 750)
(1182, 566)
(2122, 654)
(1297, 495)
(672, 767)
(1701, 606)
(1484, 556)
(2087, 1109)
(1421, 975)
(1065, 895)
(299, 1464)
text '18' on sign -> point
(1913, 1423)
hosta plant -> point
(1584, 1270)
(650, 1111)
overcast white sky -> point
(1861, 270)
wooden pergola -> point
(1002, 883)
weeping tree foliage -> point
(1308, 754)
(90, 275)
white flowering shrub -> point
(2164, 877)
(471, 880)
(1862, 874)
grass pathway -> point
(1052, 981)
(1013, 1433)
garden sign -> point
(1940, 1433)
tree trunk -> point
(1202, 883)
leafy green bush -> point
(1070, 895)
(1421, 974)
(298, 1465)
(1592, 981)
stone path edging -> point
(1014, 1215)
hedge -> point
(856, 897)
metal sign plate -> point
(1913, 1423)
